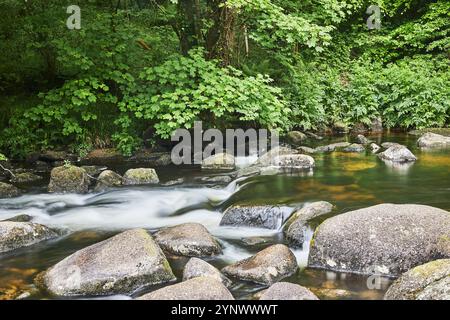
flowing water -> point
(347, 180)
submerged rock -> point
(386, 239)
(296, 137)
(108, 179)
(355, 148)
(198, 268)
(430, 281)
(287, 291)
(294, 161)
(119, 265)
(8, 190)
(14, 235)
(332, 147)
(220, 161)
(217, 179)
(201, 288)
(397, 153)
(433, 140)
(266, 267)
(296, 227)
(140, 176)
(20, 218)
(188, 239)
(25, 177)
(68, 179)
(269, 217)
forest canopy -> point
(139, 65)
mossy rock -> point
(8, 190)
(140, 176)
(68, 179)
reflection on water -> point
(348, 180)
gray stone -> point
(313, 135)
(94, 171)
(68, 179)
(14, 235)
(220, 161)
(387, 239)
(25, 177)
(355, 148)
(268, 158)
(140, 176)
(8, 190)
(362, 139)
(304, 149)
(374, 147)
(217, 179)
(188, 239)
(432, 140)
(198, 268)
(173, 182)
(51, 156)
(269, 217)
(287, 291)
(430, 281)
(294, 161)
(119, 265)
(108, 179)
(332, 147)
(387, 145)
(266, 267)
(296, 137)
(397, 154)
(20, 218)
(201, 288)
(296, 227)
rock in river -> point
(268, 158)
(287, 291)
(119, 265)
(387, 239)
(266, 267)
(332, 147)
(140, 176)
(68, 179)
(296, 137)
(294, 161)
(355, 147)
(220, 161)
(397, 153)
(188, 239)
(108, 179)
(198, 268)
(433, 140)
(362, 139)
(268, 217)
(25, 177)
(202, 288)
(296, 227)
(8, 190)
(14, 235)
(430, 281)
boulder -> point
(303, 149)
(94, 171)
(363, 140)
(376, 126)
(8, 190)
(266, 267)
(387, 145)
(332, 147)
(216, 179)
(119, 265)
(268, 217)
(201, 288)
(188, 239)
(51, 156)
(140, 176)
(100, 156)
(355, 147)
(287, 291)
(340, 127)
(294, 161)
(430, 281)
(20, 218)
(108, 179)
(313, 135)
(296, 137)
(220, 161)
(359, 128)
(14, 235)
(433, 140)
(374, 147)
(198, 268)
(25, 177)
(68, 179)
(385, 239)
(267, 159)
(296, 227)
(397, 153)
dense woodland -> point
(153, 66)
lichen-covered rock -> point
(268, 158)
(94, 171)
(68, 179)
(355, 147)
(108, 179)
(188, 239)
(8, 190)
(14, 235)
(220, 161)
(387, 239)
(433, 140)
(201, 288)
(303, 149)
(296, 227)
(387, 145)
(374, 147)
(20, 218)
(198, 268)
(296, 137)
(287, 291)
(430, 281)
(25, 177)
(140, 176)
(266, 267)
(294, 161)
(119, 265)
(362, 139)
(269, 217)
(332, 147)
(397, 153)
